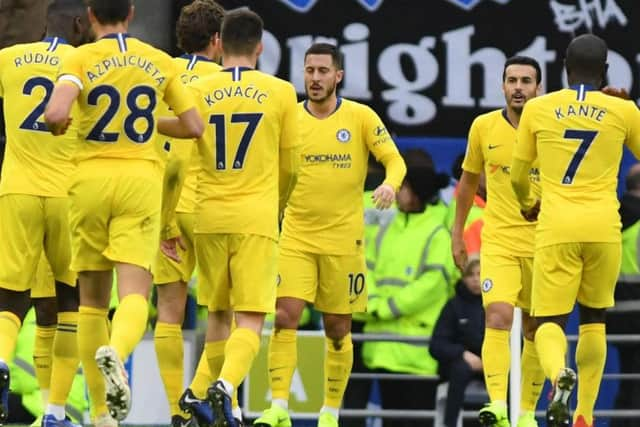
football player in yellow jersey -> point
(248, 155)
(33, 211)
(507, 244)
(578, 136)
(321, 246)
(198, 33)
(115, 196)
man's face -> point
(320, 77)
(519, 85)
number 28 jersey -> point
(249, 116)
(578, 134)
(122, 81)
(36, 162)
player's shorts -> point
(114, 218)
(31, 224)
(44, 285)
(506, 279)
(166, 270)
(570, 272)
(237, 271)
(333, 283)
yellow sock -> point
(241, 348)
(532, 377)
(65, 357)
(591, 355)
(283, 359)
(129, 324)
(203, 377)
(170, 355)
(496, 359)
(93, 332)
(9, 328)
(551, 345)
(42, 349)
(337, 368)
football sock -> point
(591, 355)
(93, 332)
(337, 368)
(170, 354)
(551, 345)
(129, 324)
(42, 349)
(65, 357)
(240, 351)
(496, 359)
(532, 377)
(9, 327)
(283, 358)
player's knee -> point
(68, 297)
(336, 328)
(592, 315)
(46, 311)
(499, 316)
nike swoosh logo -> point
(187, 399)
(332, 380)
(492, 375)
(275, 369)
(537, 384)
(491, 147)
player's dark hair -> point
(62, 17)
(523, 60)
(586, 59)
(197, 23)
(326, 49)
(241, 32)
(110, 11)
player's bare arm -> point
(186, 125)
(56, 115)
(395, 170)
(467, 189)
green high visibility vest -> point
(411, 268)
(630, 242)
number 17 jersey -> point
(578, 135)
(249, 116)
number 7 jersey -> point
(249, 116)
(578, 136)
(36, 162)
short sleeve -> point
(473, 158)
(525, 147)
(71, 69)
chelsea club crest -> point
(343, 135)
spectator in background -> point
(457, 340)
(627, 296)
(410, 274)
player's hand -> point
(383, 196)
(459, 251)
(474, 361)
(531, 214)
(61, 129)
(617, 92)
(169, 247)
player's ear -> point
(259, 48)
(132, 12)
(339, 75)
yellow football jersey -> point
(191, 68)
(489, 149)
(577, 134)
(35, 162)
(325, 213)
(249, 116)
(122, 82)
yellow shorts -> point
(44, 285)
(333, 283)
(30, 225)
(166, 270)
(114, 219)
(570, 272)
(506, 279)
(237, 272)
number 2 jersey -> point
(578, 134)
(36, 162)
(249, 116)
(122, 81)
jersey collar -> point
(236, 72)
(504, 114)
(54, 42)
(338, 104)
(120, 37)
(193, 59)
(581, 90)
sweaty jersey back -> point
(578, 136)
